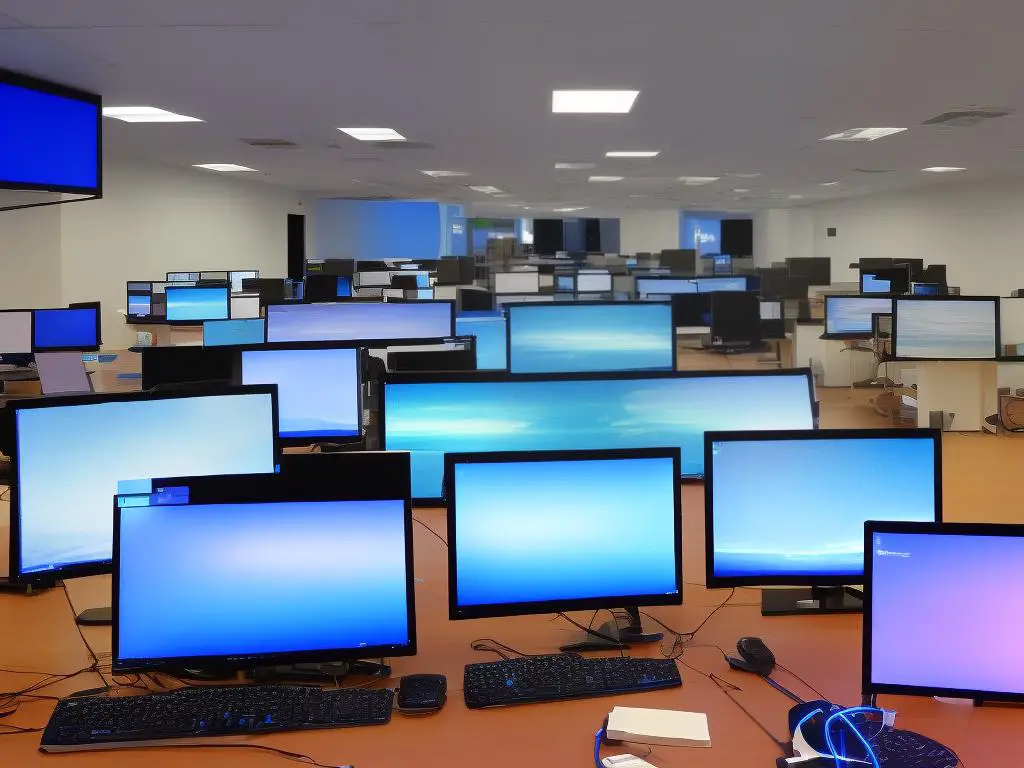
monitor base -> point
(6, 585)
(624, 630)
(810, 600)
(95, 617)
(318, 672)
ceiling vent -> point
(402, 145)
(271, 143)
(967, 118)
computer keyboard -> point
(200, 712)
(563, 676)
(907, 749)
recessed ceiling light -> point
(741, 191)
(502, 194)
(593, 102)
(569, 210)
(574, 166)
(373, 134)
(638, 196)
(697, 181)
(863, 134)
(443, 174)
(147, 115)
(224, 167)
(746, 175)
(796, 197)
(943, 169)
(644, 153)
(487, 190)
(829, 183)
(606, 178)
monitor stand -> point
(811, 600)
(318, 672)
(95, 617)
(626, 628)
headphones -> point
(822, 729)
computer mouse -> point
(756, 654)
(422, 693)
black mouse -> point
(757, 657)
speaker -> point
(296, 246)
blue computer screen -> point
(261, 578)
(317, 389)
(47, 139)
(354, 321)
(926, 289)
(663, 286)
(68, 328)
(71, 459)
(870, 283)
(491, 338)
(430, 419)
(788, 508)
(226, 333)
(710, 284)
(344, 287)
(555, 338)
(609, 525)
(140, 305)
(944, 328)
(852, 314)
(197, 304)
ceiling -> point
(728, 87)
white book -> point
(667, 727)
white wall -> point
(783, 233)
(30, 265)
(648, 231)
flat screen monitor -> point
(434, 414)
(691, 310)
(491, 333)
(927, 289)
(849, 317)
(817, 270)
(55, 330)
(871, 282)
(771, 310)
(62, 373)
(344, 289)
(646, 286)
(594, 282)
(895, 279)
(280, 569)
(244, 307)
(946, 328)
(787, 508)
(357, 321)
(603, 336)
(735, 319)
(617, 540)
(194, 305)
(182, 277)
(73, 454)
(712, 284)
(229, 333)
(919, 578)
(236, 278)
(517, 282)
(16, 332)
(565, 283)
(318, 389)
(175, 365)
(140, 305)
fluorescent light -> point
(606, 178)
(593, 102)
(487, 190)
(796, 197)
(697, 181)
(373, 134)
(224, 167)
(943, 169)
(574, 166)
(829, 183)
(746, 175)
(443, 174)
(147, 115)
(863, 134)
(568, 210)
(740, 191)
(644, 153)
(503, 194)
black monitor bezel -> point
(50, 578)
(722, 582)
(853, 335)
(95, 306)
(370, 343)
(171, 289)
(316, 481)
(1004, 530)
(457, 613)
(895, 329)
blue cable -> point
(597, 748)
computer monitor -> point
(457, 358)
(664, 286)
(437, 413)
(357, 321)
(475, 300)
(319, 570)
(771, 310)
(617, 541)
(344, 287)
(321, 287)
(319, 389)
(871, 282)
(237, 279)
(191, 306)
(339, 267)
(165, 367)
(926, 289)
(183, 277)
(594, 282)
(775, 285)
(936, 619)
(517, 282)
(849, 317)
(140, 305)
(244, 307)
(15, 332)
(788, 508)
(73, 454)
(691, 310)
(65, 330)
(946, 328)
(817, 269)
(269, 289)
(679, 259)
(711, 284)
(603, 336)
(565, 283)
(735, 319)
(491, 333)
(228, 333)
(62, 373)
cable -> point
(296, 756)
(753, 719)
(597, 747)
(810, 687)
(434, 533)
(589, 631)
(783, 690)
(481, 644)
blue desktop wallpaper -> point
(946, 328)
(354, 321)
(874, 284)
(430, 419)
(54, 328)
(564, 530)
(261, 578)
(197, 303)
(554, 338)
(48, 139)
(491, 338)
(226, 333)
(140, 306)
(798, 507)
(663, 286)
(344, 287)
(711, 284)
(852, 314)
(317, 389)
(71, 459)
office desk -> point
(38, 634)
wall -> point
(648, 231)
(784, 233)
(30, 264)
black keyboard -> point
(202, 712)
(563, 676)
(907, 749)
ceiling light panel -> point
(444, 174)
(593, 102)
(606, 178)
(863, 134)
(147, 115)
(698, 181)
(640, 153)
(574, 166)
(943, 169)
(487, 190)
(224, 167)
(373, 134)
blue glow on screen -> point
(798, 507)
(226, 333)
(47, 139)
(563, 530)
(946, 329)
(140, 306)
(356, 321)
(591, 337)
(344, 287)
(197, 303)
(874, 284)
(491, 338)
(262, 578)
(926, 289)
(852, 314)
(71, 459)
(430, 419)
(376, 230)
(317, 389)
(663, 287)
(55, 328)
(711, 284)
